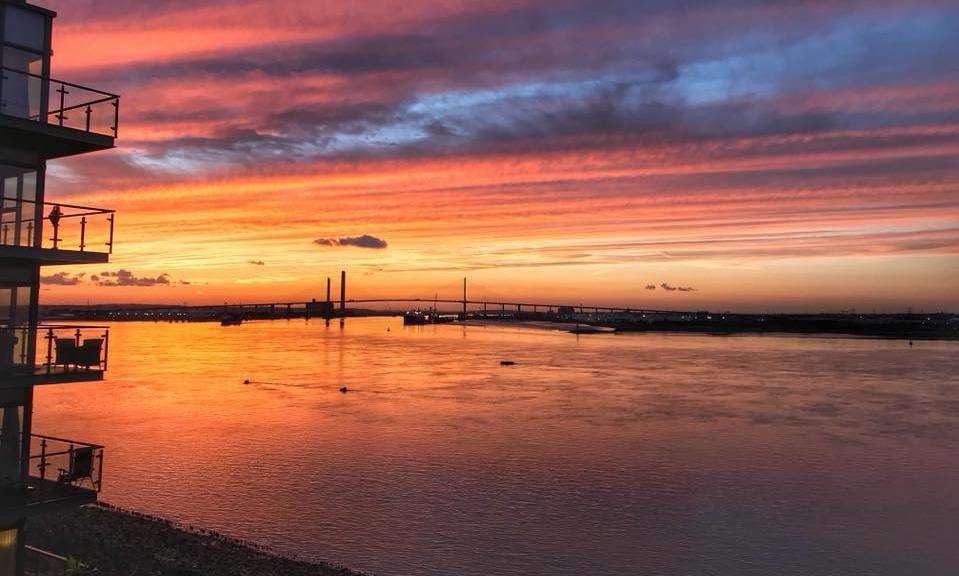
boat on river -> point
(231, 320)
(590, 329)
(421, 317)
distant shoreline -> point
(111, 541)
(886, 333)
(937, 326)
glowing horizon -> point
(794, 158)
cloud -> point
(363, 241)
(124, 277)
(256, 262)
(63, 279)
(667, 287)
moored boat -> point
(590, 329)
(231, 320)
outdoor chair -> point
(89, 353)
(81, 466)
(67, 352)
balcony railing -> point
(68, 226)
(39, 562)
(66, 462)
(70, 105)
(58, 349)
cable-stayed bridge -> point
(332, 307)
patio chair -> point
(89, 353)
(81, 466)
(67, 352)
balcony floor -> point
(51, 140)
(40, 496)
(41, 375)
(51, 257)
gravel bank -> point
(113, 542)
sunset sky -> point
(762, 156)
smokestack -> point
(343, 291)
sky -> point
(679, 154)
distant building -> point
(43, 119)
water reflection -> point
(608, 454)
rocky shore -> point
(113, 542)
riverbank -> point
(112, 542)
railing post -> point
(110, 242)
(6, 230)
(116, 117)
(106, 348)
(43, 458)
(89, 111)
(49, 349)
(99, 469)
(83, 232)
(30, 232)
(55, 221)
(63, 92)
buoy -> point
(344, 389)
(506, 362)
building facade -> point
(43, 119)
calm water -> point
(605, 454)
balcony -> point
(54, 117)
(76, 234)
(64, 353)
(62, 473)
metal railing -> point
(72, 227)
(66, 462)
(57, 348)
(37, 562)
(71, 105)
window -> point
(25, 61)
(25, 27)
(21, 90)
(18, 210)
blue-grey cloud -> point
(363, 241)
(123, 277)
(669, 288)
(63, 279)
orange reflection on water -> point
(592, 454)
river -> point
(618, 454)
